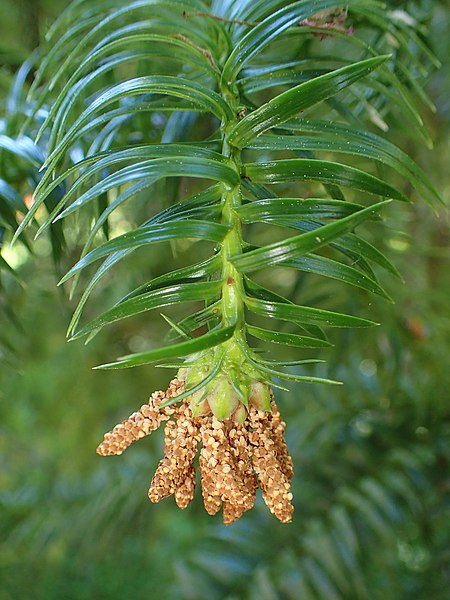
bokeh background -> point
(372, 483)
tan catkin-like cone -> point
(237, 453)
(245, 493)
(148, 418)
(181, 440)
(274, 483)
(210, 464)
(277, 427)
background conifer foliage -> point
(238, 193)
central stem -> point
(233, 384)
(233, 287)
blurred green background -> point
(372, 484)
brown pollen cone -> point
(180, 449)
(235, 457)
(148, 418)
(275, 485)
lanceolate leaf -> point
(368, 142)
(290, 103)
(348, 141)
(292, 377)
(258, 291)
(304, 314)
(288, 74)
(353, 246)
(336, 270)
(267, 209)
(213, 232)
(301, 244)
(209, 340)
(187, 292)
(191, 273)
(318, 170)
(197, 271)
(254, 290)
(287, 339)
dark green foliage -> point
(220, 69)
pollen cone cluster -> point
(235, 456)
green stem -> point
(233, 287)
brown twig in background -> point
(187, 15)
(337, 24)
(205, 52)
